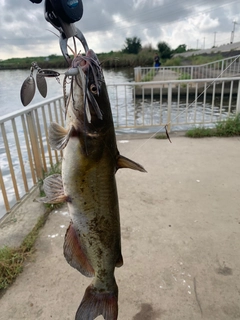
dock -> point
(182, 79)
(159, 86)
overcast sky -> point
(107, 23)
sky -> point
(106, 24)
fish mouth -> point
(90, 66)
(86, 73)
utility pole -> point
(232, 33)
(197, 43)
(204, 43)
(214, 40)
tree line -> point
(133, 46)
(132, 55)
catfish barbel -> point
(90, 160)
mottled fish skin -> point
(88, 173)
(90, 160)
(94, 211)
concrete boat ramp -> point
(180, 239)
(189, 86)
(154, 88)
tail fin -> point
(95, 303)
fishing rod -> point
(62, 14)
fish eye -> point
(93, 88)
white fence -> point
(178, 103)
(25, 152)
(228, 67)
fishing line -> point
(186, 109)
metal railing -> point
(228, 67)
(137, 107)
(178, 103)
(25, 152)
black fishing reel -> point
(69, 11)
(61, 12)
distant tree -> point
(180, 49)
(132, 45)
(148, 48)
(164, 50)
(52, 56)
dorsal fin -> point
(123, 162)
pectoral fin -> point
(59, 136)
(74, 252)
(53, 188)
(123, 162)
(119, 261)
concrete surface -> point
(223, 48)
(152, 88)
(166, 75)
(180, 240)
(16, 225)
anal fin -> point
(123, 162)
(74, 253)
(53, 188)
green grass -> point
(200, 132)
(12, 259)
(112, 59)
(149, 76)
(176, 61)
(226, 128)
(229, 128)
(50, 62)
(184, 76)
(199, 59)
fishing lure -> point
(28, 88)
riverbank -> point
(121, 60)
(108, 60)
(180, 234)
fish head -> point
(88, 90)
(90, 67)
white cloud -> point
(204, 22)
(106, 24)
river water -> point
(10, 85)
(11, 82)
